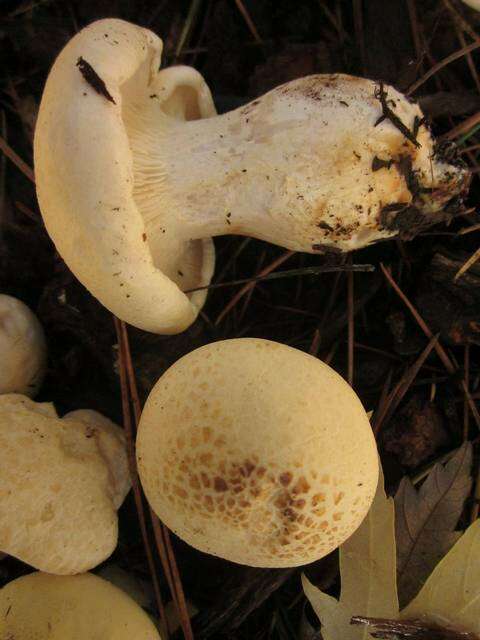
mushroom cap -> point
(61, 482)
(84, 172)
(40, 606)
(23, 350)
(258, 453)
(110, 440)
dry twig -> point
(440, 65)
(162, 539)
(137, 491)
(17, 161)
(268, 269)
(250, 24)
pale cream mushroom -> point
(40, 606)
(258, 453)
(61, 483)
(23, 350)
(135, 173)
(110, 441)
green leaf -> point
(425, 520)
(368, 574)
(451, 595)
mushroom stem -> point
(295, 167)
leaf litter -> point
(422, 543)
(425, 520)
(367, 568)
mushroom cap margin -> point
(84, 179)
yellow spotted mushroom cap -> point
(40, 606)
(61, 483)
(258, 453)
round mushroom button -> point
(40, 606)
(61, 484)
(258, 453)
(23, 350)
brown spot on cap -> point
(301, 486)
(248, 467)
(219, 484)
(285, 478)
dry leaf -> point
(451, 595)
(426, 519)
(368, 573)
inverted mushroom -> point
(258, 453)
(45, 607)
(135, 173)
(23, 350)
(61, 483)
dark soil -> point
(395, 41)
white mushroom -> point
(135, 173)
(23, 350)
(258, 453)
(40, 606)
(61, 483)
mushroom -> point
(61, 483)
(23, 351)
(40, 606)
(136, 173)
(258, 453)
